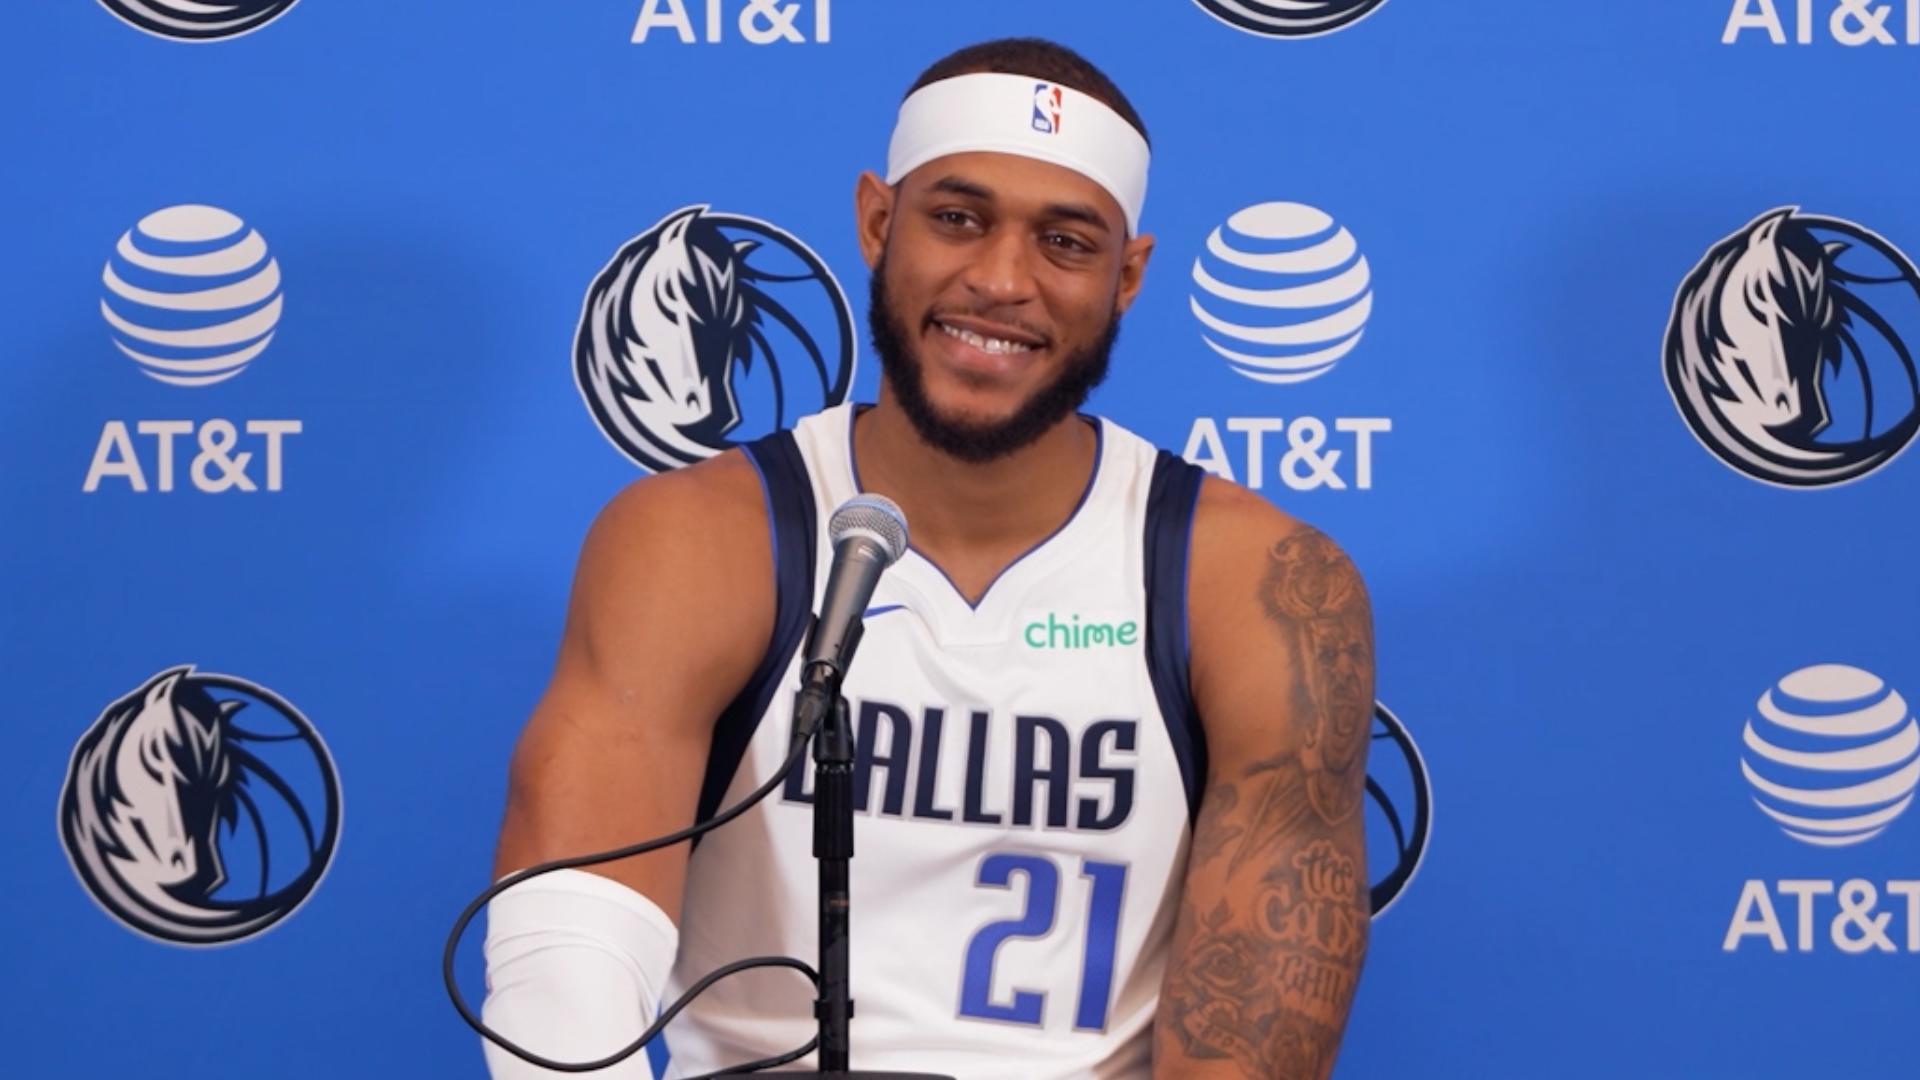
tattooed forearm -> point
(1273, 927)
(1264, 976)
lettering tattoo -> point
(1264, 969)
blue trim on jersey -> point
(791, 520)
(1099, 456)
(1171, 498)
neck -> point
(973, 518)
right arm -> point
(672, 607)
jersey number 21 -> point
(1043, 899)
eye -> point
(1066, 242)
(954, 218)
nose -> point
(1001, 270)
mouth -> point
(987, 347)
(995, 346)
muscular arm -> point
(1272, 926)
(672, 605)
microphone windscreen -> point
(871, 515)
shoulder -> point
(713, 502)
(692, 542)
(1241, 539)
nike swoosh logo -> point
(880, 610)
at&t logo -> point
(192, 297)
(1831, 754)
(207, 298)
(1283, 293)
(707, 330)
(1786, 351)
(200, 808)
(1845, 22)
(1290, 18)
(193, 20)
(756, 22)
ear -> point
(872, 214)
(1133, 270)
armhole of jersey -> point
(790, 533)
(1171, 498)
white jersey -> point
(1026, 775)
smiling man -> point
(1112, 713)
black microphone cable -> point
(801, 738)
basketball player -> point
(1113, 713)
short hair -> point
(1041, 59)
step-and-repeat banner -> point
(1587, 328)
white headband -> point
(1019, 114)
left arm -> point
(1273, 921)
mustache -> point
(990, 313)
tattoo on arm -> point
(1264, 974)
(1215, 829)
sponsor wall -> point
(1585, 329)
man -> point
(1113, 714)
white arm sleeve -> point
(575, 966)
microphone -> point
(869, 534)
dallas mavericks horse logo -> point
(1399, 809)
(200, 808)
(1290, 18)
(706, 330)
(1785, 351)
(196, 20)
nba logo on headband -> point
(1046, 109)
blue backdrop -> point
(1561, 210)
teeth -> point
(995, 346)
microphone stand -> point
(820, 700)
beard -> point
(978, 442)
